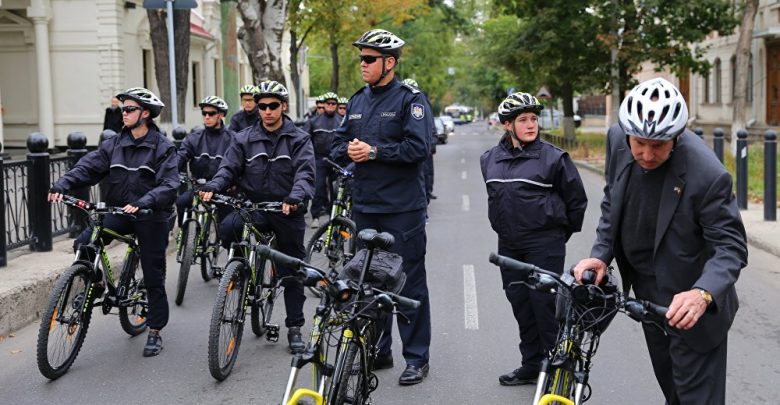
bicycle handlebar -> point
(99, 208)
(343, 171)
(268, 206)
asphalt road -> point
(474, 333)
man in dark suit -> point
(670, 221)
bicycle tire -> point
(230, 301)
(562, 383)
(210, 248)
(262, 307)
(75, 329)
(132, 291)
(341, 246)
(189, 235)
(350, 377)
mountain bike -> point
(197, 240)
(333, 244)
(65, 320)
(249, 283)
(584, 311)
(347, 321)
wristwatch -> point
(705, 295)
(372, 153)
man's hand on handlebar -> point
(686, 309)
(206, 195)
(591, 263)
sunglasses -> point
(369, 59)
(273, 106)
(130, 109)
(209, 113)
(342, 107)
(330, 103)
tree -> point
(743, 60)
(158, 31)
(261, 36)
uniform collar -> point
(149, 140)
(507, 150)
(382, 89)
(259, 133)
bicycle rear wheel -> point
(227, 320)
(339, 249)
(189, 235)
(132, 297)
(210, 248)
(263, 304)
(65, 321)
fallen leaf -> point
(16, 351)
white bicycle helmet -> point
(654, 109)
(383, 41)
(411, 82)
(272, 88)
(215, 102)
(330, 96)
(248, 89)
(518, 103)
(145, 98)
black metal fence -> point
(26, 217)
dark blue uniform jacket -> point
(204, 151)
(395, 119)
(242, 120)
(269, 166)
(534, 193)
(142, 172)
(321, 129)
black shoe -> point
(432, 197)
(382, 362)
(153, 343)
(295, 340)
(413, 375)
(520, 376)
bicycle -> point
(197, 240)
(350, 308)
(248, 282)
(68, 313)
(584, 312)
(332, 244)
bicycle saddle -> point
(374, 239)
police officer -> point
(248, 116)
(342, 107)
(204, 149)
(536, 201)
(428, 167)
(272, 161)
(140, 165)
(320, 105)
(321, 129)
(386, 132)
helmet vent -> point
(677, 109)
(664, 111)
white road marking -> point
(465, 205)
(462, 160)
(471, 315)
(463, 175)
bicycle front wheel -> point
(562, 383)
(227, 320)
(133, 297)
(189, 234)
(65, 321)
(333, 254)
(352, 387)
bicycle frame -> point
(342, 205)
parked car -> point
(441, 134)
(449, 124)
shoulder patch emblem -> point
(418, 112)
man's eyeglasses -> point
(320, 108)
(273, 106)
(209, 113)
(369, 59)
(342, 107)
(330, 103)
(130, 109)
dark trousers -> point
(152, 244)
(686, 376)
(322, 181)
(428, 172)
(408, 229)
(289, 240)
(534, 311)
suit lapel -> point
(673, 189)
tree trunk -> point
(261, 37)
(567, 96)
(294, 76)
(230, 65)
(158, 31)
(743, 60)
(334, 56)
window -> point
(196, 90)
(749, 94)
(718, 81)
(733, 75)
(146, 54)
(706, 85)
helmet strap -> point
(140, 120)
(384, 74)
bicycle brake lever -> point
(402, 316)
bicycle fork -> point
(549, 399)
